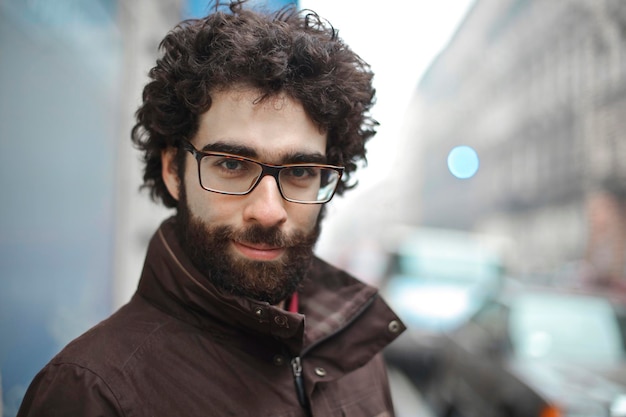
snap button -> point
(394, 326)
(281, 321)
(320, 371)
(258, 312)
(279, 360)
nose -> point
(265, 205)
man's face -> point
(256, 245)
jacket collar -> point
(330, 300)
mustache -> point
(272, 236)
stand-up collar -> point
(329, 299)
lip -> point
(259, 252)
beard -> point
(272, 281)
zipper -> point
(296, 366)
(296, 362)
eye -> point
(301, 172)
(227, 167)
(231, 164)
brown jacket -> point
(180, 348)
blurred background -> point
(492, 213)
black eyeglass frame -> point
(266, 169)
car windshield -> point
(566, 328)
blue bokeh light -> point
(463, 162)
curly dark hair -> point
(289, 51)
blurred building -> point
(538, 89)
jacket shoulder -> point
(69, 390)
(83, 379)
(110, 344)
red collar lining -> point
(293, 303)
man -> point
(249, 125)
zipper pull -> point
(296, 366)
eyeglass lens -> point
(299, 183)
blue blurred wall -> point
(59, 70)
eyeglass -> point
(224, 173)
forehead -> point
(273, 127)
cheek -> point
(199, 201)
(304, 217)
(210, 207)
(213, 208)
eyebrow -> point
(239, 150)
(248, 152)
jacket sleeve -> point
(69, 390)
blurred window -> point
(566, 328)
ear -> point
(169, 171)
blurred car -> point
(438, 278)
(533, 353)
